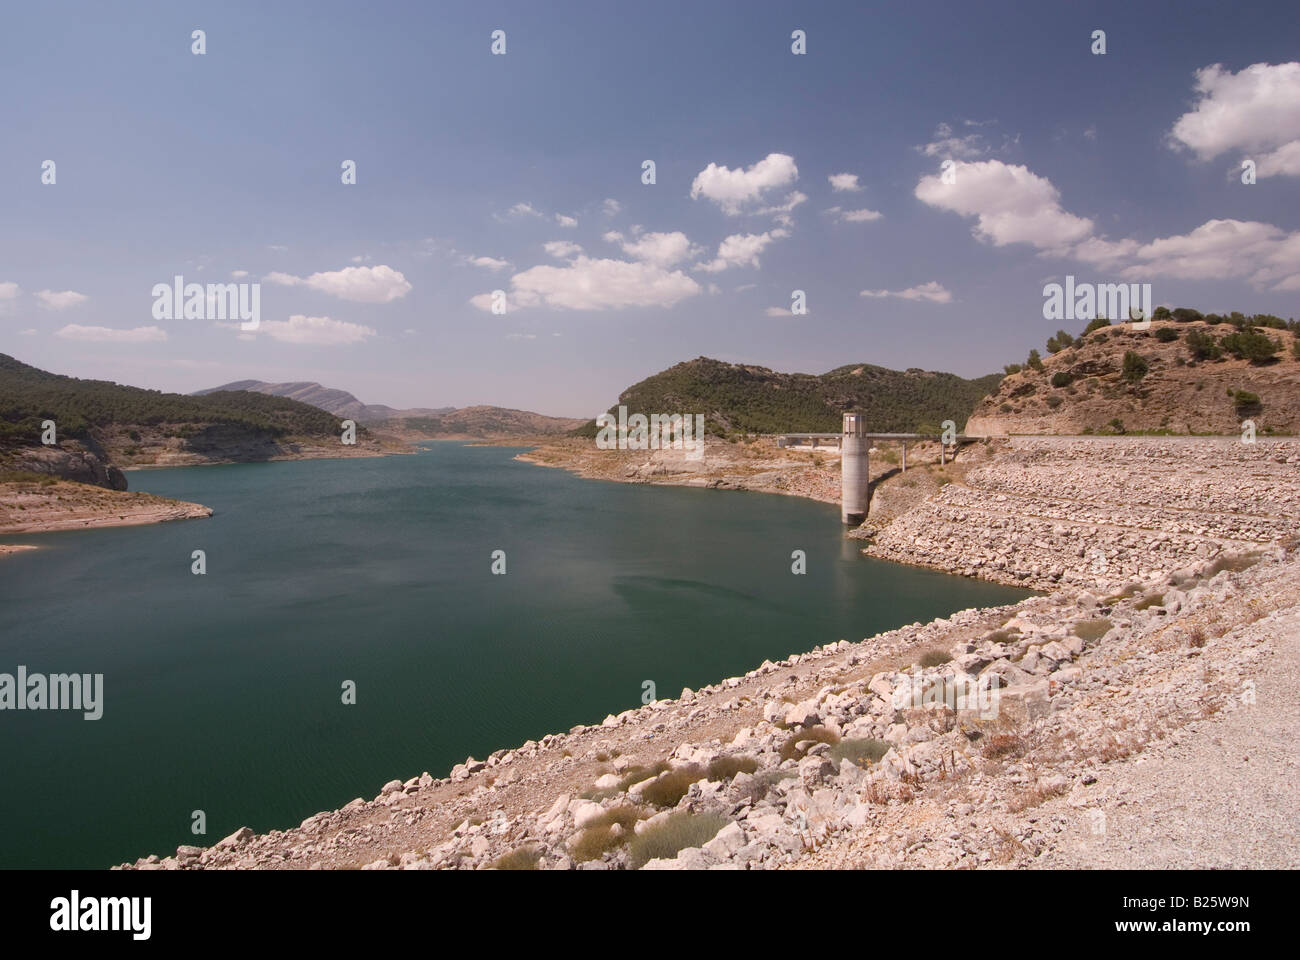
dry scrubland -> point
(1172, 655)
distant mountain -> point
(482, 422)
(1185, 374)
(338, 402)
(101, 426)
(738, 398)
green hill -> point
(80, 407)
(746, 399)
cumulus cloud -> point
(733, 190)
(661, 249)
(9, 290)
(238, 274)
(844, 182)
(778, 312)
(1255, 111)
(564, 221)
(932, 291)
(611, 207)
(381, 284)
(1011, 204)
(317, 331)
(522, 209)
(1260, 253)
(490, 263)
(61, 300)
(741, 250)
(586, 283)
(560, 249)
(75, 331)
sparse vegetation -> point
(670, 836)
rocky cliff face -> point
(1082, 389)
(68, 461)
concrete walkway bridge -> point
(854, 443)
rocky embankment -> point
(1099, 512)
(1009, 736)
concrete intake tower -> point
(855, 469)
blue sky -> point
(478, 172)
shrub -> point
(1035, 361)
(790, 749)
(1053, 401)
(859, 752)
(1135, 366)
(673, 834)
(1249, 345)
(1062, 379)
(724, 768)
(934, 658)
(525, 858)
(1089, 630)
(1061, 341)
(1187, 315)
(1096, 324)
(1202, 346)
(1244, 400)
(1166, 334)
(1011, 368)
(669, 788)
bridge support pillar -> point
(855, 469)
(905, 456)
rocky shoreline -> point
(996, 737)
(49, 506)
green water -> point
(222, 692)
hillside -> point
(338, 402)
(103, 426)
(738, 398)
(1183, 377)
(416, 422)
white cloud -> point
(854, 216)
(521, 336)
(381, 284)
(932, 291)
(238, 274)
(1012, 204)
(741, 249)
(844, 182)
(318, 331)
(777, 312)
(75, 331)
(564, 221)
(491, 263)
(1255, 111)
(1260, 253)
(948, 146)
(732, 190)
(29, 332)
(661, 249)
(560, 249)
(612, 236)
(595, 284)
(611, 207)
(51, 300)
(522, 209)
(9, 290)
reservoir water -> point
(223, 692)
